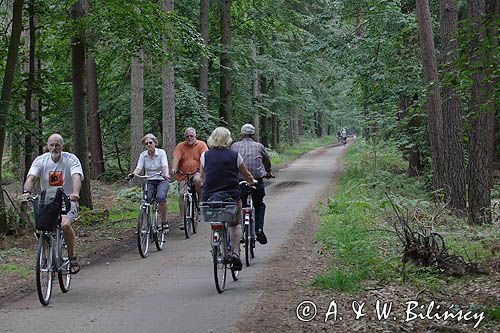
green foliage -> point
(15, 270)
(88, 217)
(356, 225)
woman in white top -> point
(154, 160)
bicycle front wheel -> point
(63, 272)
(187, 218)
(247, 245)
(44, 271)
(143, 232)
(159, 235)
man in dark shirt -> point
(258, 163)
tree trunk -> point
(275, 131)
(453, 161)
(296, 124)
(482, 117)
(95, 139)
(39, 114)
(274, 118)
(8, 79)
(203, 80)
(168, 94)
(80, 136)
(136, 107)
(263, 119)
(493, 15)
(225, 107)
(29, 106)
(432, 105)
(255, 89)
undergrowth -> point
(356, 226)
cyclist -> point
(344, 135)
(154, 160)
(219, 173)
(187, 160)
(58, 168)
(258, 163)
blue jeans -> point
(161, 190)
(258, 203)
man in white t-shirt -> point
(59, 169)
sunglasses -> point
(189, 136)
(148, 143)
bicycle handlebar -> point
(150, 176)
(244, 182)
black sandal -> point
(165, 228)
(74, 265)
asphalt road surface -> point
(173, 290)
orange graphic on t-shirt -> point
(55, 178)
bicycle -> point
(191, 207)
(147, 225)
(248, 222)
(219, 214)
(52, 256)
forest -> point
(420, 75)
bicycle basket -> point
(47, 208)
(218, 211)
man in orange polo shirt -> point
(187, 160)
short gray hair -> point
(189, 129)
(149, 136)
(57, 137)
(220, 138)
(247, 129)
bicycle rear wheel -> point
(159, 235)
(63, 272)
(220, 270)
(143, 233)
(44, 273)
(187, 219)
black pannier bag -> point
(47, 207)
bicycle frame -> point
(189, 196)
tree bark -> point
(453, 161)
(95, 139)
(136, 107)
(432, 105)
(226, 65)
(80, 136)
(274, 119)
(493, 10)
(5, 98)
(168, 94)
(481, 118)
(263, 117)
(255, 89)
(29, 106)
(203, 79)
